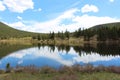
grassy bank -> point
(71, 41)
(76, 72)
(25, 40)
(58, 76)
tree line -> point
(52, 36)
(101, 33)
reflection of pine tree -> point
(77, 49)
(67, 48)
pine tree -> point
(67, 34)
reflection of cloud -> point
(34, 53)
(0, 62)
(66, 59)
(16, 55)
(22, 53)
(20, 62)
(93, 57)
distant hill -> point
(110, 33)
(110, 25)
(8, 32)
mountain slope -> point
(110, 25)
(8, 32)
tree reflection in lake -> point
(7, 48)
(55, 56)
(108, 49)
(101, 48)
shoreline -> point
(87, 68)
(75, 72)
(70, 42)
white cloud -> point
(75, 4)
(18, 25)
(87, 21)
(111, 0)
(2, 7)
(89, 8)
(57, 24)
(52, 25)
(18, 5)
(18, 17)
(39, 9)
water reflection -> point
(102, 49)
(56, 56)
(6, 48)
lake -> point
(57, 56)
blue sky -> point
(58, 15)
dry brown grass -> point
(75, 72)
(65, 69)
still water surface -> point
(56, 56)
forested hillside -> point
(109, 25)
(102, 32)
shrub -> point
(8, 68)
(46, 70)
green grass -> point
(9, 32)
(59, 76)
